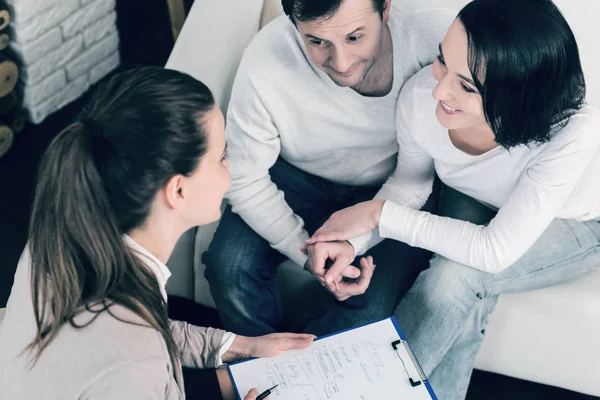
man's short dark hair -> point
(313, 10)
(527, 57)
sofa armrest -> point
(181, 265)
(203, 238)
(212, 41)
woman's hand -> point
(276, 343)
(350, 222)
(340, 253)
(227, 390)
(252, 395)
(265, 346)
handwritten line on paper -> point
(355, 364)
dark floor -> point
(145, 40)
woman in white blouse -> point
(87, 315)
(507, 127)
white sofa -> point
(551, 336)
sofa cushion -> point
(550, 336)
(271, 10)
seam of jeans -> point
(471, 310)
(595, 232)
(581, 255)
(575, 235)
(482, 292)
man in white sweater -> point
(311, 130)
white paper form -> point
(356, 364)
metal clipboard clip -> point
(402, 344)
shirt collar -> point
(157, 267)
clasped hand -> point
(341, 279)
(330, 242)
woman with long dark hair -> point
(87, 316)
(507, 130)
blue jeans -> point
(241, 266)
(445, 313)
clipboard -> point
(287, 369)
(403, 343)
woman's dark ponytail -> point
(96, 183)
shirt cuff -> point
(364, 242)
(290, 247)
(226, 343)
(395, 222)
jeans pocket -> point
(594, 227)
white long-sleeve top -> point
(530, 186)
(284, 106)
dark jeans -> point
(201, 384)
(241, 266)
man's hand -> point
(341, 253)
(341, 279)
(350, 222)
(265, 346)
(343, 289)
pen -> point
(265, 393)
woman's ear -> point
(174, 192)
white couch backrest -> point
(216, 33)
(212, 40)
(271, 10)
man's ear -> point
(386, 11)
(174, 192)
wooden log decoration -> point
(4, 18)
(9, 75)
(7, 103)
(11, 113)
(16, 120)
(4, 39)
(6, 33)
(6, 139)
(12, 116)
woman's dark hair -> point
(525, 63)
(313, 10)
(96, 182)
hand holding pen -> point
(253, 394)
(264, 394)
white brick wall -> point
(34, 50)
(92, 56)
(100, 29)
(27, 9)
(48, 63)
(66, 46)
(86, 16)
